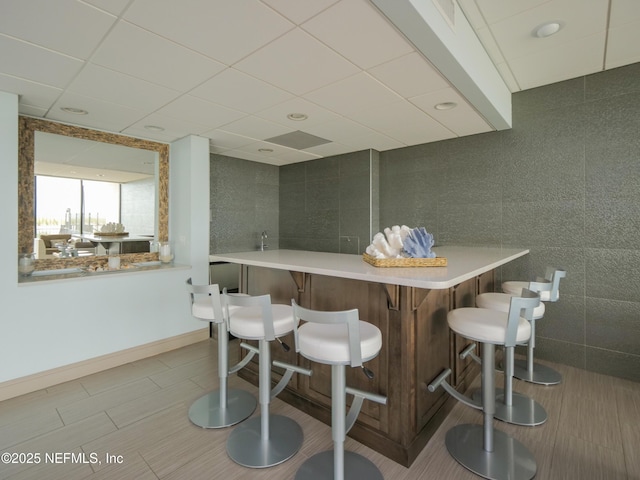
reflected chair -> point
(264, 440)
(482, 449)
(338, 339)
(222, 407)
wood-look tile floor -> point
(136, 415)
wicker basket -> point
(405, 262)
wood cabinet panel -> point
(416, 346)
(463, 295)
(432, 354)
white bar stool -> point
(223, 407)
(514, 407)
(482, 449)
(526, 369)
(338, 339)
(265, 440)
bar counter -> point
(410, 307)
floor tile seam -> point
(74, 420)
(165, 407)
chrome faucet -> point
(263, 246)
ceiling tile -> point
(298, 11)
(515, 34)
(200, 111)
(32, 111)
(353, 94)
(226, 140)
(115, 7)
(175, 127)
(102, 115)
(239, 91)
(315, 114)
(31, 93)
(339, 130)
(409, 75)
(154, 58)
(356, 30)
(373, 140)
(21, 59)
(550, 66)
(329, 149)
(461, 120)
(223, 30)
(403, 122)
(624, 12)
(254, 157)
(496, 10)
(297, 63)
(623, 47)
(137, 130)
(111, 86)
(56, 25)
(254, 127)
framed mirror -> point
(29, 128)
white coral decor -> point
(112, 227)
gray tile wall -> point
(244, 202)
(563, 182)
(325, 204)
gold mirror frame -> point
(26, 161)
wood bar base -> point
(417, 346)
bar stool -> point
(338, 339)
(526, 369)
(265, 440)
(482, 449)
(222, 407)
(514, 407)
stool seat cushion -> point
(246, 322)
(329, 343)
(502, 301)
(203, 310)
(515, 288)
(485, 326)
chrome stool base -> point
(523, 411)
(540, 375)
(320, 467)
(246, 446)
(207, 413)
(509, 460)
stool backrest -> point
(554, 275)
(349, 317)
(521, 306)
(213, 291)
(263, 302)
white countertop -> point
(463, 263)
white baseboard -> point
(38, 381)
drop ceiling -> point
(232, 71)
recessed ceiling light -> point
(547, 29)
(298, 117)
(154, 128)
(445, 105)
(74, 111)
(265, 150)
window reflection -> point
(69, 205)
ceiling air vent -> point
(447, 9)
(298, 140)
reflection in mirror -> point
(81, 185)
(153, 175)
